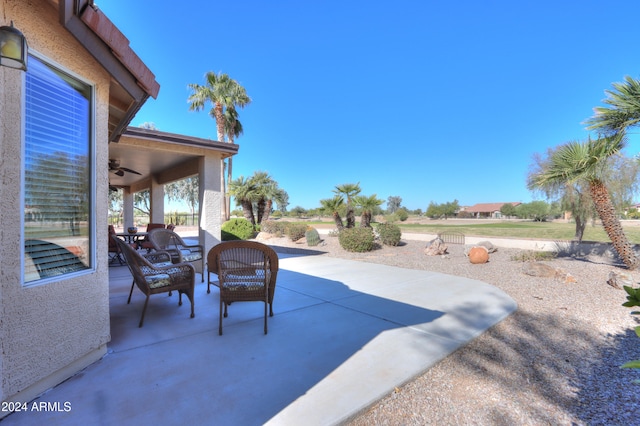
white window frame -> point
(92, 128)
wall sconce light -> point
(13, 48)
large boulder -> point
(436, 247)
(478, 255)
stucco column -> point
(156, 202)
(210, 204)
(127, 208)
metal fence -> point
(178, 219)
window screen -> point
(57, 173)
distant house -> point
(488, 210)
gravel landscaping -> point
(554, 361)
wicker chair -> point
(247, 271)
(165, 240)
(114, 250)
(159, 277)
(144, 242)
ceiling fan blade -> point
(129, 171)
(119, 173)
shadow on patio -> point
(344, 334)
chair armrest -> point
(158, 257)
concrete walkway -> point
(344, 334)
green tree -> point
(573, 197)
(368, 205)
(508, 210)
(244, 192)
(349, 190)
(584, 162)
(333, 206)
(186, 190)
(226, 95)
(393, 203)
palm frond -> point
(622, 108)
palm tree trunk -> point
(247, 210)
(351, 218)
(611, 224)
(338, 220)
(580, 225)
(267, 211)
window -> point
(58, 184)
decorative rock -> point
(436, 247)
(618, 279)
(537, 269)
(263, 236)
(490, 247)
(478, 254)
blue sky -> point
(426, 100)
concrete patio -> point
(344, 335)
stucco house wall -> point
(47, 332)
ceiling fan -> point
(114, 167)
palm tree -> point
(223, 93)
(244, 192)
(233, 129)
(349, 190)
(266, 190)
(333, 205)
(368, 206)
(585, 162)
(622, 110)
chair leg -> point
(265, 316)
(220, 321)
(131, 291)
(144, 309)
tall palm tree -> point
(349, 190)
(333, 205)
(223, 93)
(368, 204)
(622, 110)
(233, 129)
(585, 161)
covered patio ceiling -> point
(166, 157)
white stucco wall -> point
(47, 332)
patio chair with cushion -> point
(114, 250)
(161, 277)
(144, 242)
(165, 240)
(247, 271)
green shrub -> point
(296, 230)
(312, 236)
(237, 229)
(402, 214)
(533, 256)
(274, 227)
(389, 233)
(357, 239)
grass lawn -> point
(515, 229)
(539, 230)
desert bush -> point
(389, 233)
(295, 230)
(237, 229)
(357, 239)
(533, 256)
(275, 227)
(402, 215)
(312, 236)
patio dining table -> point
(132, 239)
